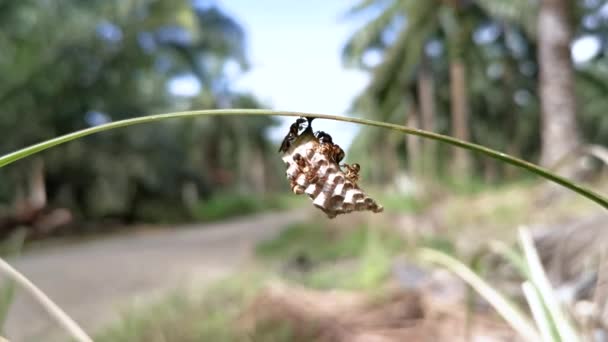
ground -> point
(95, 281)
(92, 281)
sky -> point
(295, 48)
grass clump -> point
(367, 270)
(403, 204)
(314, 240)
(183, 316)
(227, 205)
(358, 259)
(322, 242)
(321, 256)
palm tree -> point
(558, 102)
(126, 53)
(551, 22)
(413, 24)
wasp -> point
(328, 148)
(291, 136)
(352, 172)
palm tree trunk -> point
(37, 196)
(258, 170)
(391, 161)
(558, 105)
(426, 98)
(412, 142)
(460, 115)
(511, 121)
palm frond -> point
(221, 34)
(519, 12)
(364, 6)
(369, 36)
(402, 58)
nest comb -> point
(315, 174)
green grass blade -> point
(7, 294)
(543, 322)
(518, 320)
(509, 254)
(540, 281)
(20, 154)
(10, 247)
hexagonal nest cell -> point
(313, 169)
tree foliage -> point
(497, 41)
(70, 64)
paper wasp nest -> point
(312, 169)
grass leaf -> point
(540, 281)
(543, 322)
(11, 247)
(509, 254)
(516, 319)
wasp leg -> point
(352, 172)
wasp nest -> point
(313, 168)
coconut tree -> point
(558, 101)
(72, 64)
(401, 32)
(552, 23)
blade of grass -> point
(509, 254)
(10, 247)
(479, 267)
(518, 320)
(540, 281)
(601, 200)
(7, 294)
(538, 312)
(600, 295)
(54, 311)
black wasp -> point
(294, 131)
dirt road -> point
(91, 281)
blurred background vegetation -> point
(525, 77)
(482, 71)
(69, 65)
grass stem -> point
(22, 153)
(54, 311)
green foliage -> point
(70, 65)
(314, 240)
(518, 321)
(230, 205)
(552, 321)
(537, 281)
(158, 212)
(321, 242)
(214, 314)
(376, 261)
(496, 42)
(183, 317)
(438, 243)
(356, 258)
(401, 203)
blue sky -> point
(294, 49)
